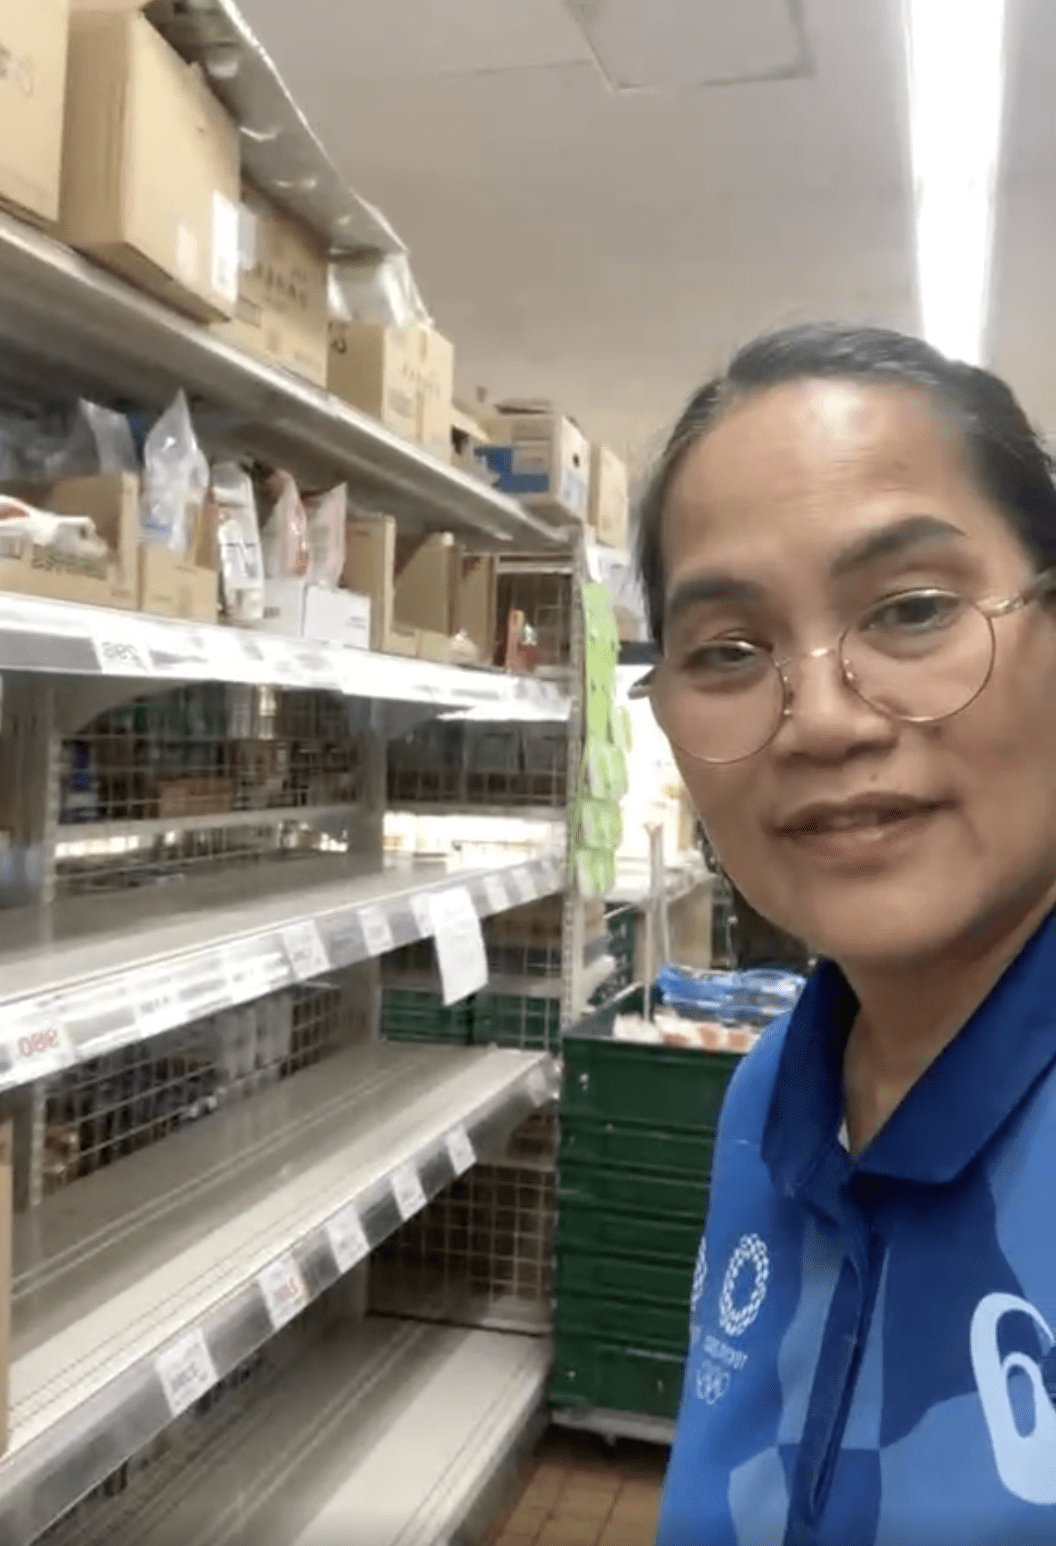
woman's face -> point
(776, 504)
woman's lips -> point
(862, 833)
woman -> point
(846, 552)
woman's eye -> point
(912, 613)
(725, 660)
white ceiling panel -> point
(355, 40)
(676, 44)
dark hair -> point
(1004, 452)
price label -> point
(155, 1003)
(35, 1042)
(538, 1088)
(348, 1239)
(407, 1190)
(376, 931)
(523, 885)
(120, 654)
(496, 893)
(460, 1151)
(186, 1371)
(422, 908)
(284, 1292)
(246, 977)
(305, 950)
(460, 951)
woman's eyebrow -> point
(892, 541)
(703, 588)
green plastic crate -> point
(634, 1191)
(584, 1226)
(590, 1273)
(586, 1141)
(510, 1020)
(624, 1322)
(592, 1373)
(408, 1014)
(657, 1086)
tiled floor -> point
(581, 1492)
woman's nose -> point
(824, 716)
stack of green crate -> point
(413, 1014)
(515, 1020)
(637, 1132)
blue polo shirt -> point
(872, 1352)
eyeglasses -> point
(920, 656)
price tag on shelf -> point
(186, 1371)
(422, 908)
(538, 1088)
(283, 1289)
(246, 977)
(376, 931)
(305, 950)
(460, 1151)
(523, 884)
(496, 893)
(155, 1002)
(348, 1239)
(34, 1041)
(119, 652)
(408, 1192)
(460, 951)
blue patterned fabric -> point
(872, 1352)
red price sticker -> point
(36, 1044)
(283, 1291)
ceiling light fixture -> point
(955, 52)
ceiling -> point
(603, 197)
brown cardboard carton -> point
(477, 603)
(402, 641)
(281, 316)
(183, 585)
(112, 503)
(428, 577)
(608, 496)
(150, 178)
(404, 377)
(370, 553)
(540, 457)
(33, 46)
(433, 646)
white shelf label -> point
(524, 885)
(348, 1239)
(284, 1292)
(36, 1041)
(305, 949)
(496, 893)
(376, 931)
(460, 1151)
(460, 951)
(119, 654)
(407, 1190)
(247, 978)
(538, 1088)
(422, 908)
(186, 1371)
(155, 1002)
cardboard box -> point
(608, 496)
(427, 583)
(183, 585)
(281, 315)
(112, 504)
(477, 603)
(196, 797)
(150, 178)
(540, 457)
(433, 646)
(370, 557)
(401, 641)
(33, 47)
(404, 377)
(298, 610)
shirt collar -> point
(954, 1109)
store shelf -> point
(123, 1267)
(89, 975)
(59, 638)
(68, 324)
(681, 879)
(386, 1434)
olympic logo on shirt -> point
(712, 1382)
(750, 1253)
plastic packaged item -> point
(80, 440)
(69, 534)
(749, 999)
(284, 530)
(380, 290)
(238, 536)
(175, 480)
(327, 515)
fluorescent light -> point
(956, 65)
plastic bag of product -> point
(238, 538)
(284, 529)
(175, 480)
(73, 535)
(327, 514)
(377, 289)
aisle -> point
(580, 1492)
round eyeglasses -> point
(920, 656)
